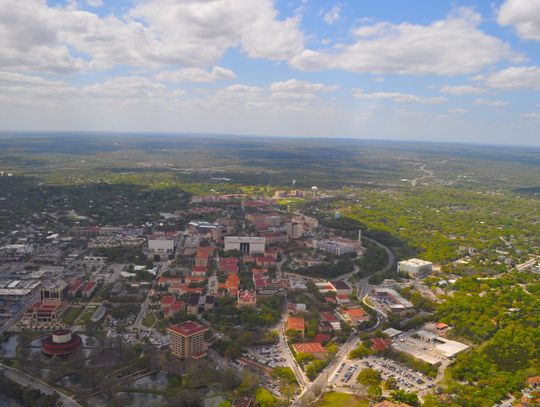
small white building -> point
(245, 244)
(415, 267)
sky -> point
(458, 71)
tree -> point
(264, 398)
(369, 377)
(302, 358)
(374, 392)
(391, 384)
(401, 396)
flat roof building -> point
(245, 244)
(415, 267)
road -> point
(286, 351)
(321, 381)
(26, 380)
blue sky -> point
(422, 70)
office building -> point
(187, 340)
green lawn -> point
(71, 315)
(334, 399)
(149, 320)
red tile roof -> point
(188, 328)
(380, 344)
(309, 347)
(321, 338)
(298, 324)
(228, 264)
(167, 300)
(328, 316)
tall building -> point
(187, 340)
(294, 230)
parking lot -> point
(345, 374)
(406, 378)
(267, 355)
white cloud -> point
(513, 78)
(94, 3)
(491, 102)
(332, 15)
(458, 110)
(294, 85)
(453, 46)
(123, 87)
(523, 15)
(196, 75)
(298, 90)
(153, 34)
(462, 90)
(398, 97)
(33, 90)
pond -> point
(8, 349)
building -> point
(313, 348)
(415, 267)
(335, 247)
(355, 316)
(387, 403)
(228, 265)
(202, 227)
(15, 252)
(247, 298)
(89, 289)
(54, 291)
(75, 287)
(46, 312)
(341, 287)
(296, 324)
(392, 300)
(245, 244)
(162, 244)
(61, 342)
(204, 253)
(187, 340)
(295, 230)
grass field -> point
(149, 320)
(71, 315)
(334, 399)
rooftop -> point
(188, 328)
(309, 347)
(296, 323)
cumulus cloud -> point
(398, 97)
(153, 34)
(491, 102)
(299, 90)
(123, 87)
(462, 90)
(513, 78)
(523, 16)
(196, 75)
(332, 15)
(453, 46)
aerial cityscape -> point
(269, 203)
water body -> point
(8, 349)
